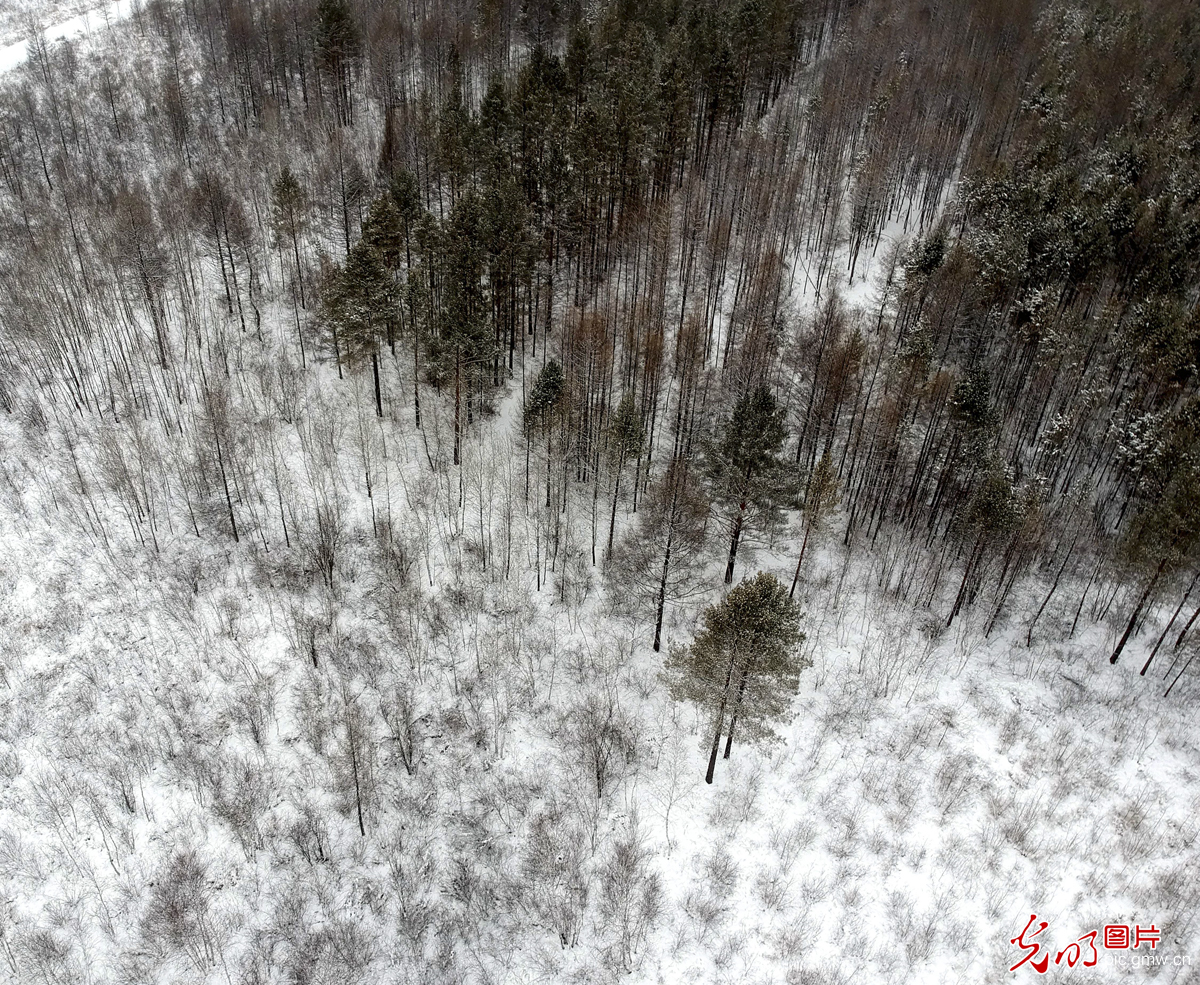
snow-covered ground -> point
(934, 789)
(55, 22)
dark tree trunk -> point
(1183, 632)
(362, 828)
(1138, 611)
(737, 706)
(457, 404)
(225, 483)
(716, 743)
(662, 595)
(378, 397)
(962, 587)
(1167, 628)
(733, 543)
(799, 561)
(1046, 601)
(612, 523)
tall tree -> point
(749, 480)
(659, 561)
(820, 500)
(1166, 531)
(289, 213)
(358, 302)
(464, 342)
(742, 665)
(626, 435)
(339, 42)
(545, 397)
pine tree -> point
(288, 202)
(821, 499)
(659, 561)
(358, 300)
(338, 44)
(742, 666)
(1163, 536)
(383, 231)
(992, 512)
(977, 421)
(626, 434)
(383, 234)
(749, 480)
(544, 397)
(407, 195)
(463, 334)
(456, 136)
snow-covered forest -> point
(639, 491)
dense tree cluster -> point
(641, 193)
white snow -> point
(82, 25)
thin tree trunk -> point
(736, 708)
(1046, 601)
(378, 399)
(716, 743)
(612, 523)
(1138, 611)
(962, 588)
(1083, 597)
(1167, 628)
(225, 483)
(1167, 693)
(362, 828)
(457, 403)
(733, 543)
(296, 254)
(1183, 633)
(337, 349)
(799, 561)
(662, 594)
